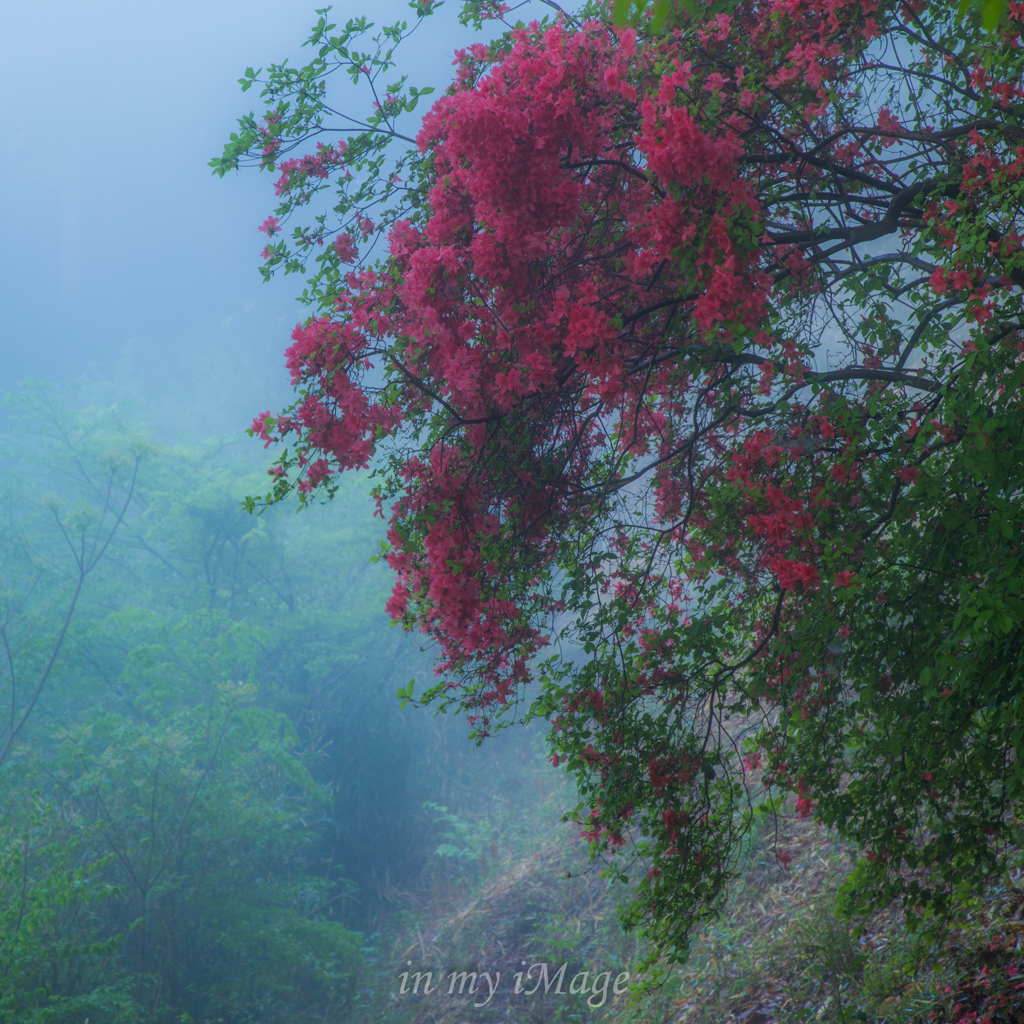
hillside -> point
(779, 953)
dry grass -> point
(531, 911)
(777, 955)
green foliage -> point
(215, 782)
(991, 13)
(47, 885)
(179, 871)
(462, 842)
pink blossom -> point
(345, 248)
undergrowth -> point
(779, 953)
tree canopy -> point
(690, 366)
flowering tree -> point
(692, 377)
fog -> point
(212, 807)
(125, 259)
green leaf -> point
(992, 14)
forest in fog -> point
(216, 808)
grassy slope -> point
(779, 953)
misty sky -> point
(124, 258)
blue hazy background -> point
(124, 259)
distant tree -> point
(692, 374)
(45, 560)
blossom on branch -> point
(680, 340)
